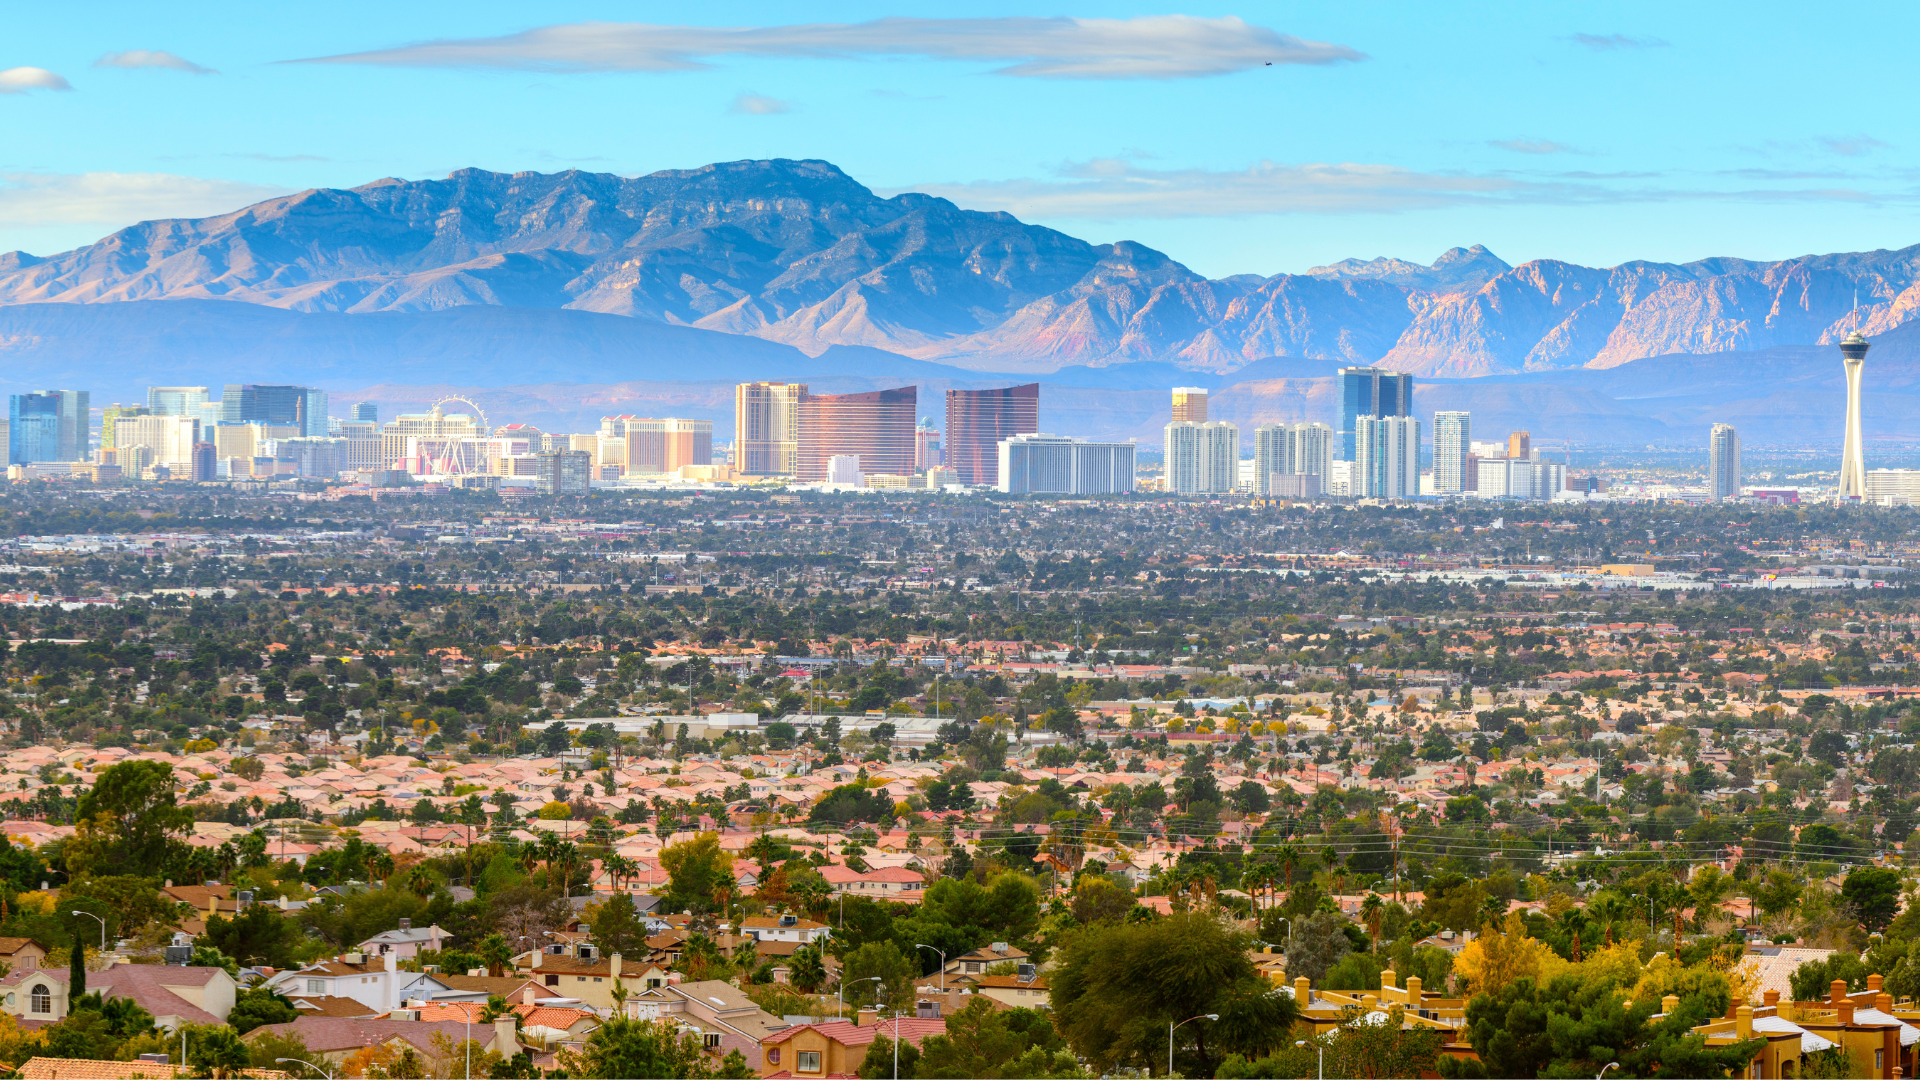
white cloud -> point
(22, 79)
(1608, 42)
(1114, 188)
(1148, 47)
(760, 105)
(116, 199)
(1531, 146)
(1851, 145)
(152, 58)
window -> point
(773, 1056)
(597, 978)
(316, 986)
(579, 978)
(1879, 1060)
(42, 998)
(713, 1041)
(553, 980)
(809, 1061)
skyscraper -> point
(1202, 457)
(115, 412)
(366, 411)
(1452, 444)
(1723, 462)
(260, 403)
(1386, 460)
(33, 428)
(1190, 404)
(1853, 460)
(876, 426)
(1370, 392)
(176, 400)
(1520, 444)
(1286, 450)
(926, 448)
(976, 422)
(1052, 465)
(169, 439)
(766, 428)
(659, 447)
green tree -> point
(808, 969)
(626, 1047)
(880, 1064)
(259, 935)
(982, 1043)
(617, 927)
(1113, 1003)
(258, 1007)
(132, 818)
(216, 1050)
(77, 970)
(696, 870)
(882, 960)
(1576, 1024)
(1874, 893)
(849, 803)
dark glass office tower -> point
(1372, 393)
(976, 422)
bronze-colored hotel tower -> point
(877, 425)
(976, 422)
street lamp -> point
(1322, 1072)
(1171, 1025)
(308, 1064)
(1289, 923)
(103, 927)
(1601, 1075)
(841, 993)
(943, 965)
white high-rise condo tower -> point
(1853, 462)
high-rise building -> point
(261, 403)
(976, 422)
(366, 412)
(844, 469)
(206, 464)
(1386, 459)
(177, 400)
(562, 472)
(1051, 465)
(170, 438)
(659, 447)
(115, 412)
(33, 428)
(1202, 457)
(926, 448)
(430, 434)
(1520, 478)
(1723, 462)
(1853, 458)
(1190, 404)
(1452, 447)
(1284, 450)
(1370, 392)
(1520, 444)
(766, 428)
(876, 426)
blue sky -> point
(1595, 133)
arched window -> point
(42, 998)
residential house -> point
(48, 1068)
(836, 1048)
(785, 928)
(406, 942)
(979, 960)
(482, 987)
(1025, 991)
(589, 980)
(22, 954)
(726, 1019)
(174, 995)
(331, 1039)
(377, 983)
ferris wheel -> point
(484, 427)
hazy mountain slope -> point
(797, 252)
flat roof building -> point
(977, 420)
(875, 426)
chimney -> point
(504, 1041)
(865, 1017)
(392, 961)
(406, 924)
(1743, 1022)
(536, 959)
(1837, 991)
(1302, 991)
(1369, 1002)
(673, 978)
(528, 995)
(1771, 998)
(1413, 990)
(1845, 1011)
(1874, 982)
(1883, 1001)
(613, 965)
(1386, 979)
(1669, 1003)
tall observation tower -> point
(1853, 466)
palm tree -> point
(1607, 909)
(1372, 910)
(1289, 856)
(1575, 921)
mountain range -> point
(798, 254)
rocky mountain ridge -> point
(797, 252)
